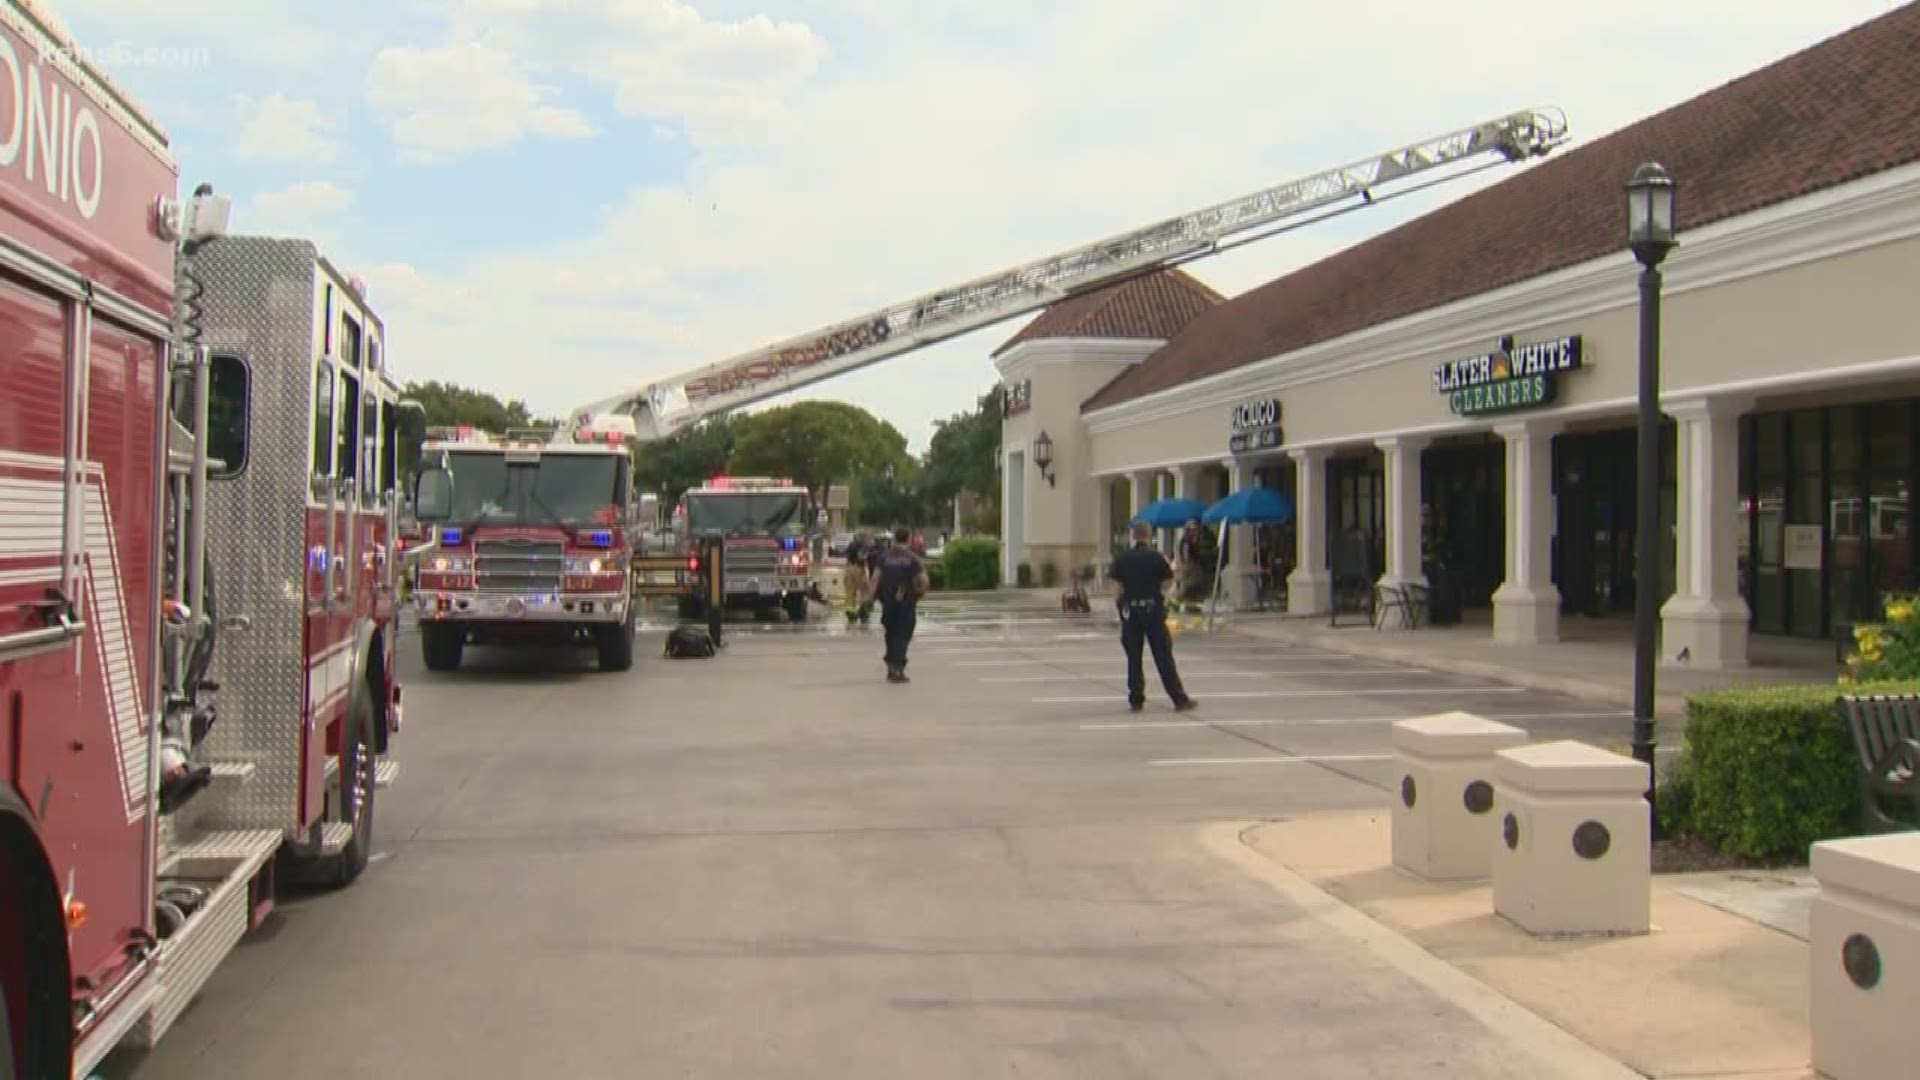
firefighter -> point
(899, 585)
(854, 585)
(1142, 573)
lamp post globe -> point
(1650, 213)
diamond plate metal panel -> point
(258, 301)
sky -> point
(555, 200)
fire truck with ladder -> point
(197, 595)
(532, 542)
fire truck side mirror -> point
(433, 495)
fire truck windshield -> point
(565, 489)
(746, 514)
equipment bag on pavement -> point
(689, 641)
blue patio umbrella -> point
(1171, 513)
(1252, 506)
(1248, 506)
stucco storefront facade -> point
(1489, 439)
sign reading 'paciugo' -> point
(1256, 426)
(1510, 377)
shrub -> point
(1767, 771)
(971, 564)
(936, 575)
(1024, 575)
(1049, 575)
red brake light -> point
(693, 563)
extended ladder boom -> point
(663, 407)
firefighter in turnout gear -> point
(898, 583)
(1142, 573)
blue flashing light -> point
(789, 543)
(451, 537)
(597, 538)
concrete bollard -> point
(1444, 827)
(1865, 951)
(1574, 854)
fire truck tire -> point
(35, 1024)
(358, 766)
(797, 607)
(616, 647)
(441, 646)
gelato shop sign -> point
(1510, 377)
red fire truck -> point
(196, 595)
(532, 542)
(768, 525)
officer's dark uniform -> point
(899, 593)
(1140, 573)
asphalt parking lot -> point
(773, 863)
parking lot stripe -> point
(1441, 693)
(1191, 675)
(1305, 759)
(1108, 658)
(1136, 725)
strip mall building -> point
(1456, 396)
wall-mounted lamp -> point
(1043, 456)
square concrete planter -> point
(1444, 820)
(1575, 855)
(1865, 952)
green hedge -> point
(1767, 771)
(936, 575)
(971, 564)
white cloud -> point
(930, 151)
(728, 81)
(313, 209)
(463, 97)
(284, 131)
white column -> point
(1526, 607)
(1237, 590)
(1103, 524)
(1704, 625)
(1310, 586)
(1403, 510)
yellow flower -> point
(1900, 611)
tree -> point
(818, 443)
(961, 455)
(672, 465)
(448, 403)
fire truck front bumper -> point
(474, 607)
(748, 585)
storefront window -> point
(1768, 507)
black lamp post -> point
(1650, 228)
(1043, 456)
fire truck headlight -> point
(580, 565)
(441, 564)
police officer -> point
(1141, 574)
(899, 585)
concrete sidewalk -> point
(1708, 995)
(1593, 661)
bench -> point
(1886, 735)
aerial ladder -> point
(661, 408)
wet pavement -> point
(773, 863)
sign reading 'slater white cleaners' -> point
(48, 133)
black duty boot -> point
(1185, 705)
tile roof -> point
(1838, 111)
(1152, 307)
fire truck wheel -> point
(616, 647)
(441, 646)
(358, 766)
(35, 1032)
(797, 607)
